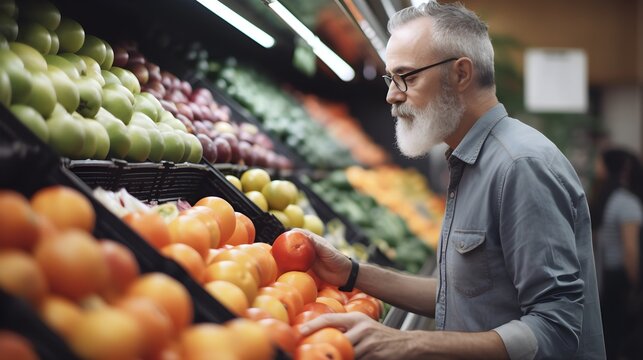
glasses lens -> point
(387, 80)
(397, 80)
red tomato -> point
(293, 251)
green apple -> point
(102, 138)
(187, 143)
(32, 59)
(64, 65)
(142, 120)
(164, 127)
(118, 134)
(110, 78)
(42, 12)
(59, 110)
(174, 145)
(128, 79)
(295, 215)
(117, 103)
(157, 104)
(157, 142)
(19, 78)
(77, 61)
(5, 88)
(141, 144)
(196, 149)
(93, 70)
(142, 104)
(55, 43)
(31, 119)
(35, 35)
(91, 97)
(109, 57)
(66, 135)
(70, 34)
(43, 94)
(8, 27)
(122, 89)
(173, 122)
(91, 140)
(66, 91)
(94, 48)
(8, 7)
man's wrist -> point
(352, 277)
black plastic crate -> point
(166, 181)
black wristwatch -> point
(350, 283)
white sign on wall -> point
(556, 80)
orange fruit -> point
(241, 257)
(240, 234)
(333, 337)
(190, 231)
(67, 208)
(224, 213)
(106, 333)
(317, 352)
(168, 294)
(188, 258)
(290, 298)
(251, 341)
(204, 340)
(60, 314)
(21, 276)
(150, 226)
(16, 347)
(264, 260)
(235, 273)
(301, 281)
(335, 305)
(73, 263)
(272, 305)
(229, 295)
(281, 334)
(333, 292)
(155, 323)
(256, 314)
(122, 268)
(250, 226)
(19, 223)
(364, 306)
(208, 217)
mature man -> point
(516, 272)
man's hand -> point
(330, 264)
(370, 339)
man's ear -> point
(463, 73)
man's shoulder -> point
(515, 139)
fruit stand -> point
(188, 171)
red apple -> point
(186, 88)
(135, 57)
(169, 106)
(209, 148)
(224, 152)
(120, 57)
(185, 110)
(141, 73)
(235, 155)
(196, 110)
(155, 71)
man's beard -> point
(418, 130)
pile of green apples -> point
(63, 85)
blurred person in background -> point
(516, 276)
(617, 215)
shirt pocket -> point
(468, 263)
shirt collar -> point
(470, 146)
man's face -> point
(430, 110)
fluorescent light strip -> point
(325, 54)
(243, 25)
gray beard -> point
(418, 130)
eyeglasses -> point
(400, 80)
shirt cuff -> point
(519, 340)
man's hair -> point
(457, 31)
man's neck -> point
(476, 106)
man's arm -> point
(372, 340)
(411, 293)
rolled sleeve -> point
(537, 228)
(519, 340)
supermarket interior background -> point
(301, 97)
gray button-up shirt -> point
(515, 252)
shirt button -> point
(452, 195)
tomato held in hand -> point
(293, 251)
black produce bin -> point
(166, 181)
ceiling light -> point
(243, 25)
(323, 52)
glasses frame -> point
(388, 79)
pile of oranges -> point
(91, 292)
